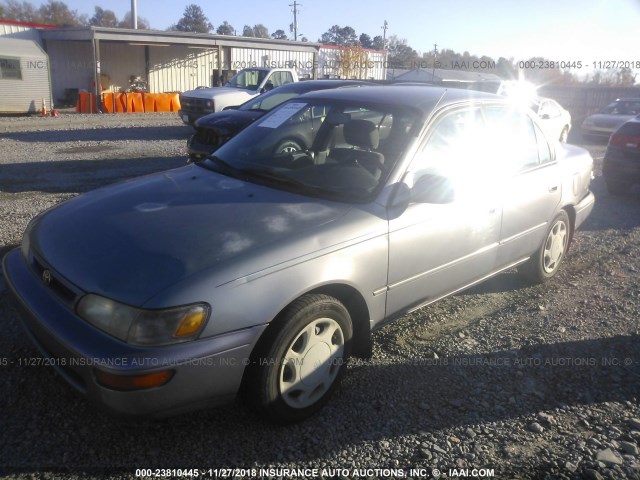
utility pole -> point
(294, 25)
(385, 27)
(435, 56)
(134, 14)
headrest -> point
(362, 133)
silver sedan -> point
(262, 272)
(607, 120)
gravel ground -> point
(506, 379)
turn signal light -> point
(134, 382)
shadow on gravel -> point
(142, 132)
(79, 175)
(47, 426)
(613, 211)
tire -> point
(546, 261)
(288, 146)
(283, 379)
(616, 187)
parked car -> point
(215, 129)
(265, 272)
(607, 120)
(621, 165)
(244, 85)
(554, 120)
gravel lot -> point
(506, 378)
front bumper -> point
(208, 371)
(190, 116)
(198, 150)
(597, 130)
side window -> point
(280, 78)
(513, 135)
(454, 148)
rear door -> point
(531, 181)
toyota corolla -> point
(263, 272)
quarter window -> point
(544, 152)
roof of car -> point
(423, 97)
(310, 85)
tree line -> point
(400, 55)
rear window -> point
(629, 128)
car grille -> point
(56, 284)
(194, 104)
(209, 137)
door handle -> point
(552, 189)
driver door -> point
(438, 245)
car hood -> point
(229, 120)
(210, 93)
(605, 120)
(135, 239)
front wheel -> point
(288, 146)
(301, 359)
(545, 263)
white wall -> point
(179, 68)
(72, 66)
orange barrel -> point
(108, 102)
(163, 102)
(87, 102)
(134, 102)
(84, 102)
(175, 102)
(121, 102)
(149, 101)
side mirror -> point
(430, 188)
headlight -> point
(142, 326)
(25, 246)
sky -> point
(561, 30)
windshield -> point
(267, 101)
(623, 107)
(247, 79)
(336, 150)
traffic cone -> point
(54, 112)
(43, 112)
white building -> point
(24, 76)
(96, 59)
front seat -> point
(363, 136)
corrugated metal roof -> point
(14, 47)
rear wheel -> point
(545, 263)
(301, 359)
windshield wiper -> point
(222, 167)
